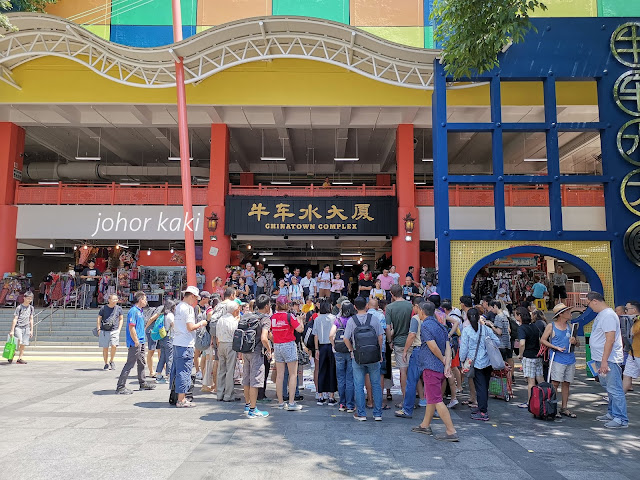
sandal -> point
(386, 407)
(567, 413)
(389, 397)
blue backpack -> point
(158, 331)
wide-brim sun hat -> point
(559, 308)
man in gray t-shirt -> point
(360, 371)
(22, 325)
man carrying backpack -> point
(257, 330)
(363, 338)
(110, 321)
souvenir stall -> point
(160, 283)
(513, 274)
(13, 287)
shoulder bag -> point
(467, 367)
(495, 357)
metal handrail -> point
(53, 310)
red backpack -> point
(543, 404)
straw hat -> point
(559, 308)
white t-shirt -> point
(324, 280)
(606, 321)
(181, 336)
(396, 278)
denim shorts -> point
(285, 352)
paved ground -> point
(62, 420)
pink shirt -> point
(385, 282)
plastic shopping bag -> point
(9, 348)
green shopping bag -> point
(9, 348)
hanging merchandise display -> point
(13, 287)
(162, 282)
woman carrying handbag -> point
(476, 361)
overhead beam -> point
(241, 156)
(215, 114)
(161, 136)
(342, 136)
(388, 160)
(70, 113)
(141, 113)
(577, 143)
(62, 150)
(285, 137)
(99, 138)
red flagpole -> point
(185, 164)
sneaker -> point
(147, 386)
(604, 418)
(480, 416)
(161, 379)
(332, 401)
(377, 419)
(185, 404)
(422, 403)
(452, 404)
(359, 418)
(292, 407)
(255, 413)
(298, 398)
(351, 410)
(615, 424)
(123, 391)
(321, 401)
(21, 361)
(281, 406)
(246, 408)
(112, 366)
(342, 408)
(106, 366)
(199, 376)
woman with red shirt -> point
(285, 351)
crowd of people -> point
(440, 350)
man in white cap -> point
(184, 340)
(558, 338)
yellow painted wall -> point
(570, 8)
(281, 82)
(466, 254)
(411, 36)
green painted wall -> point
(619, 8)
(156, 12)
(337, 10)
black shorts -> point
(507, 353)
(560, 291)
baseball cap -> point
(192, 290)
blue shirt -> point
(431, 329)
(383, 323)
(538, 290)
(468, 343)
(135, 317)
(562, 338)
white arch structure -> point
(217, 49)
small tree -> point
(23, 5)
(473, 32)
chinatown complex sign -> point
(625, 47)
(311, 215)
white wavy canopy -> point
(217, 49)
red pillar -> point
(214, 262)
(246, 179)
(406, 253)
(11, 156)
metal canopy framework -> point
(217, 49)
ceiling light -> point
(51, 245)
(408, 238)
(280, 183)
(276, 264)
(171, 250)
(360, 260)
(419, 183)
(89, 159)
(48, 183)
(149, 252)
(119, 245)
(249, 247)
(343, 159)
(86, 247)
(351, 254)
(257, 263)
(264, 260)
(273, 159)
(535, 159)
(312, 246)
(177, 159)
(75, 247)
(265, 254)
(54, 253)
(338, 264)
(342, 183)
(427, 159)
(133, 184)
(348, 265)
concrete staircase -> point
(63, 334)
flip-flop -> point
(389, 397)
(386, 407)
(568, 413)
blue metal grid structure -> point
(575, 49)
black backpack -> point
(338, 342)
(307, 335)
(365, 339)
(247, 337)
